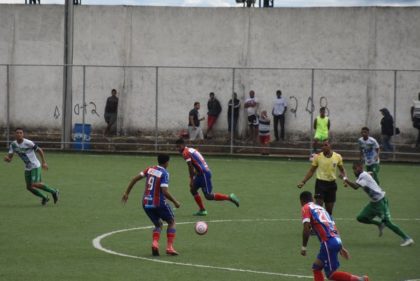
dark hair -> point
(322, 108)
(211, 94)
(163, 158)
(113, 90)
(278, 92)
(306, 196)
(180, 141)
(365, 129)
(195, 103)
(18, 128)
(358, 163)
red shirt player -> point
(315, 217)
(200, 177)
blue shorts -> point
(156, 214)
(203, 181)
(328, 254)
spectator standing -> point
(251, 106)
(264, 132)
(111, 111)
(194, 129)
(369, 152)
(214, 108)
(322, 127)
(279, 111)
(233, 123)
(387, 130)
(415, 117)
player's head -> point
(322, 111)
(211, 95)
(306, 197)
(180, 145)
(251, 94)
(278, 93)
(197, 105)
(19, 134)
(326, 147)
(163, 160)
(113, 92)
(264, 114)
(357, 168)
(365, 133)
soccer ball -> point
(201, 227)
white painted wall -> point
(225, 38)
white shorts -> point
(195, 133)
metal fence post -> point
(395, 110)
(84, 107)
(156, 108)
(311, 141)
(8, 104)
(232, 122)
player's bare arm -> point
(8, 158)
(192, 173)
(170, 197)
(354, 185)
(345, 253)
(129, 187)
(42, 156)
(305, 237)
(307, 176)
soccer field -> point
(260, 240)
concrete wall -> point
(225, 38)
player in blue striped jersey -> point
(154, 202)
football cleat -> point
(155, 251)
(407, 242)
(201, 213)
(171, 252)
(55, 196)
(44, 201)
(234, 199)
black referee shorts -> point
(326, 190)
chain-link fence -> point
(155, 101)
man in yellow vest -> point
(321, 127)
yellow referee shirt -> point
(327, 167)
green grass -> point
(55, 242)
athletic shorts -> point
(156, 214)
(326, 190)
(33, 176)
(196, 133)
(378, 209)
(320, 137)
(211, 120)
(265, 139)
(203, 181)
(328, 254)
(374, 169)
(252, 120)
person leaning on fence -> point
(279, 111)
(111, 111)
(233, 123)
(194, 129)
(214, 108)
(387, 131)
(415, 117)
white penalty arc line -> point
(97, 244)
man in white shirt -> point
(369, 152)
(26, 149)
(378, 205)
(251, 106)
(279, 111)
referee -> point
(325, 164)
